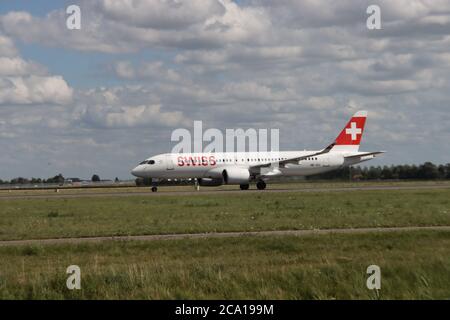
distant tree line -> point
(58, 179)
(20, 180)
(426, 171)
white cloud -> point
(148, 70)
(156, 14)
(7, 48)
(26, 82)
(34, 90)
(15, 66)
(254, 92)
(124, 26)
(124, 69)
(130, 116)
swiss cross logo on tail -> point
(353, 131)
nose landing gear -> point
(155, 185)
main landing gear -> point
(154, 189)
(261, 185)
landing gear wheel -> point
(244, 186)
(261, 185)
(154, 189)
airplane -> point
(241, 168)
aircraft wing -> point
(283, 163)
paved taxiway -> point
(208, 191)
(218, 235)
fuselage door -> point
(169, 162)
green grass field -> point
(49, 218)
(414, 265)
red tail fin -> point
(350, 137)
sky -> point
(103, 98)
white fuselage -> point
(211, 165)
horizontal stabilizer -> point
(364, 155)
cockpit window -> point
(147, 162)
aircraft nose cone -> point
(137, 172)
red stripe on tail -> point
(353, 131)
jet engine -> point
(236, 175)
(209, 182)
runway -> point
(217, 235)
(88, 194)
